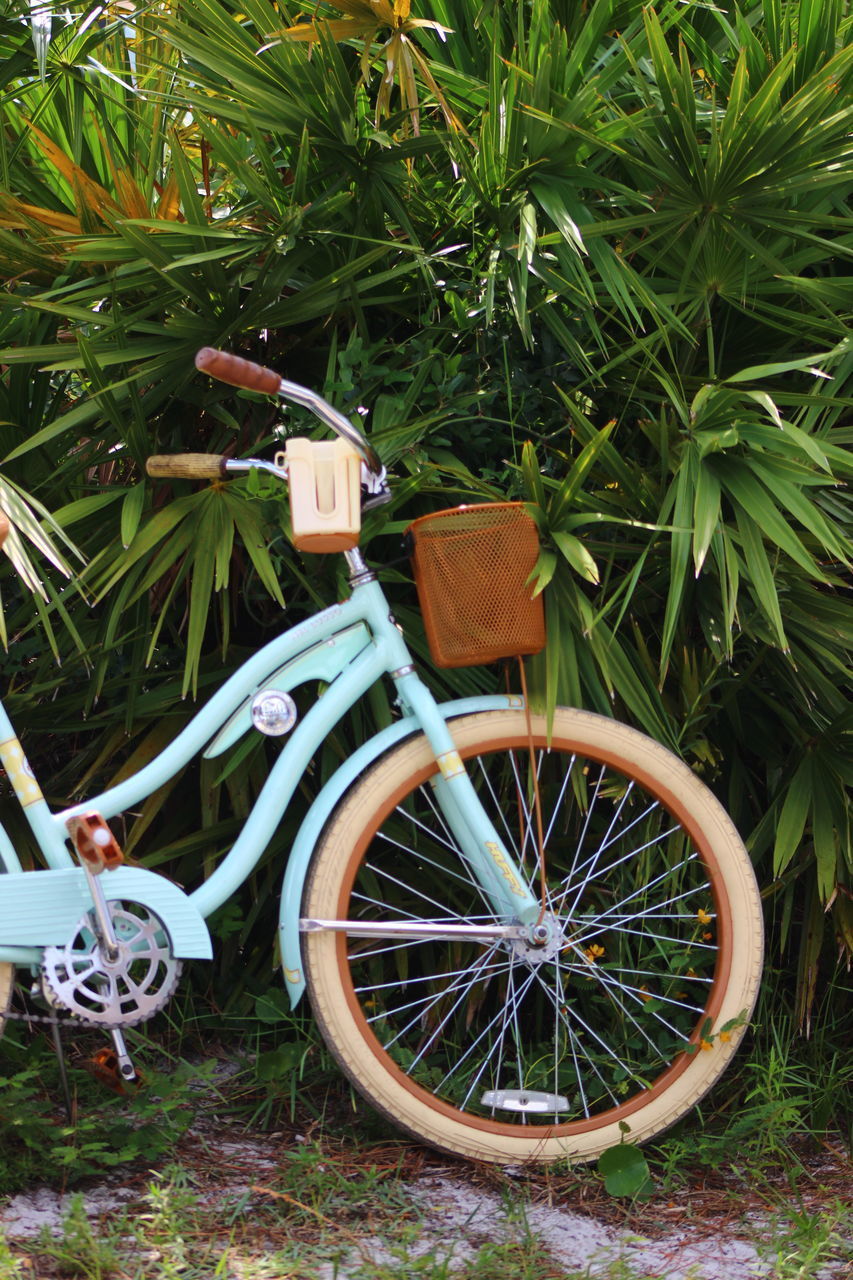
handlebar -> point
(255, 377)
(187, 466)
(237, 371)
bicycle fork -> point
(494, 867)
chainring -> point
(80, 978)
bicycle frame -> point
(349, 646)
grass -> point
(325, 1189)
(331, 1209)
(176, 1235)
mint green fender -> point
(42, 908)
(320, 812)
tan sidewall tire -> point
(7, 978)
(412, 1109)
(7, 975)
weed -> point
(806, 1240)
(39, 1144)
(317, 1183)
(10, 1267)
(173, 1207)
(79, 1251)
(523, 1259)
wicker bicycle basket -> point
(471, 568)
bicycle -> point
(521, 940)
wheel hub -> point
(545, 940)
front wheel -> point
(509, 1049)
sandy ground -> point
(457, 1208)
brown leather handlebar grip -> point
(237, 371)
(187, 466)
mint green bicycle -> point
(521, 941)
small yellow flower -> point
(725, 1036)
(644, 993)
(706, 1044)
(703, 917)
(594, 952)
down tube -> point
(279, 787)
(210, 718)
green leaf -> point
(757, 500)
(756, 372)
(272, 1006)
(543, 570)
(577, 555)
(131, 512)
(625, 1171)
(706, 514)
(792, 818)
(761, 575)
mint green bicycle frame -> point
(349, 647)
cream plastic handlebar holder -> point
(324, 478)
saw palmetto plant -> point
(592, 256)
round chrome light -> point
(273, 712)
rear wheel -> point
(508, 1049)
(7, 977)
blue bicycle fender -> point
(293, 883)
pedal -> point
(97, 847)
(113, 1068)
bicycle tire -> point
(7, 977)
(621, 1036)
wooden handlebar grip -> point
(187, 466)
(237, 371)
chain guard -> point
(79, 977)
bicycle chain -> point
(14, 1015)
(11, 1016)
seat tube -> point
(481, 845)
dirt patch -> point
(715, 1230)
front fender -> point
(320, 812)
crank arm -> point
(126, 1069)
(415, 932)
(103, 922)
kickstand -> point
(63, 1073)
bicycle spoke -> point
(655, 973)
(445, 868)
(512, 1004)
(644, 889)
(600, 976)
(427, 1001)
(432, 1002)
(562, 1013)
(372, 987)
(607, 871)
(386, 875)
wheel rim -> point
(628, 988)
